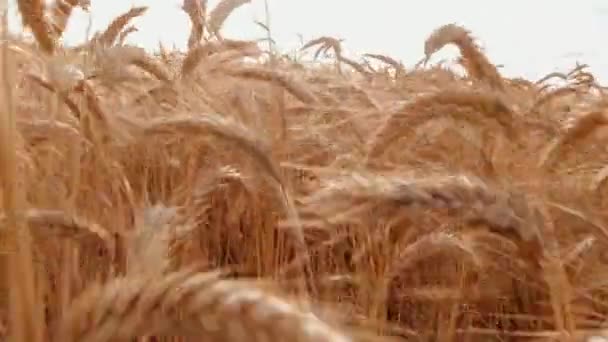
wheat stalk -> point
(24, 301)
(238, 134)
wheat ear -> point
(198, 53)
(33, 16)
(110, 61)
(471, 106)
(338, 195)
(292, 85)
(581, 128)
(221, 12)
(399, 68)
(196, 12)
(62, 95)
(474, 61)
(60, 224)
(109, 36)
(125, 33)
(187, 302)
(61, 11)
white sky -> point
(530, 37)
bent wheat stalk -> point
(230, 130)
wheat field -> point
(233, 192)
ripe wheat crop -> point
(233, 192)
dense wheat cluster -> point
(234, 193)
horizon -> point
(546, 42)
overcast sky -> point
(529, 37)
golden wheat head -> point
(188, 303)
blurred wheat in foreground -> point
(234, 193)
